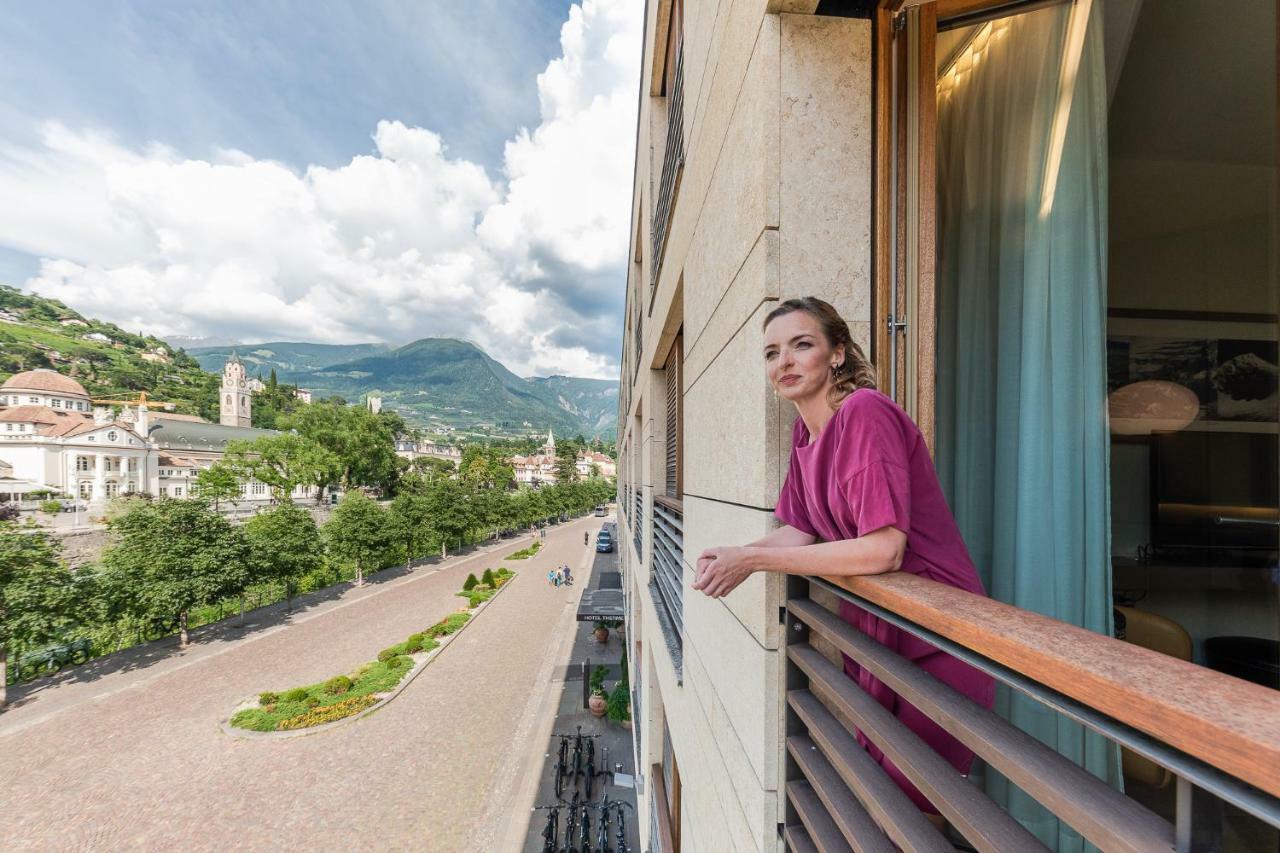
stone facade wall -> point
(774, 202)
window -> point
(673, 374)
(33, 399)
(55, 403)
(92, 438)
(1142, 135)
(8, 427)
(665, 802)
(177, 491)
(112, 436)
(82, 463)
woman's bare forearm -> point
(785, 536)
(873, 554)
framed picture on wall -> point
(1195, 371)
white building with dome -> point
(54, 439)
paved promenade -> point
(131, 756)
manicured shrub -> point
(401, 661)
(267, 698)
(487, 579)
(297, 694)
(313, 702)
(337, 685)
(470, 582)
(51, 507)
(387, 654)
(412, 646)
(618, 708)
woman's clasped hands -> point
(721, 569)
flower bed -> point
(346, 695)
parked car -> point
(604, 542)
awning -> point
(597, 605)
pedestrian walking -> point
(551, 578)
(586, 537)
(568, 578)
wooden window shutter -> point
(675, 418)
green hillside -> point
(38, 332)
(432, 382)
(285, 357)
(593, 401)
(442, 381)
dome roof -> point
(43, 379)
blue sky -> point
(118, 114)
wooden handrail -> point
(670, 503)
(1226, 722)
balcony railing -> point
(672, 160)
(667, 576)
(1212, 732)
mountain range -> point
(434, 382)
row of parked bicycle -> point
(578, 833)
(576, 770)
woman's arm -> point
(720, 570)
(785, 536)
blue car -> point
(604, 543)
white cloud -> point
(400, 243)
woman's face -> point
(797, 357)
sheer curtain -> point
(1022, 444)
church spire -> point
(550, 447)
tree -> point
(39, 598)
(448, 511)
(363, 442)
(432, 467)
(566, 462)
(219, 482)
(168, 556)
(284, 462)
(286, 545)
(359, 534)
(411, 517)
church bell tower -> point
(236, 399)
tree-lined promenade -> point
(169, 560)
(131, 754)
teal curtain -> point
(1022, 438)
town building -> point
(303, 394)
(1052, 229)
(537, 469)
(410, 448)
(53, 438)
(237, 396)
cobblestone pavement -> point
(134, 758)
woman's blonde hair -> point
(855, 371)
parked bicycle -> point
(584, 830)
(570, 825)
(551, 831)
(621, 835)
(574, 768)
(562, 766)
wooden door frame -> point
(904, 210)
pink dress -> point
(868, 469)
